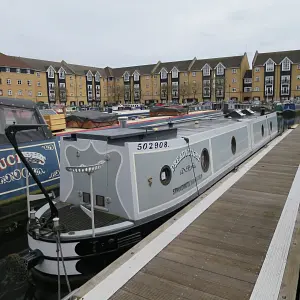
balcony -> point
(219, 93)
(269, 82)
(206, 83)
(285, 81)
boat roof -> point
(22, 103)
(119, 133)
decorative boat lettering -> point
(187, 168)
(186, 184)
(19, 174)
(183, 155)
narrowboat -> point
(118, 185)
(290, 109)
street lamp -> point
(88, 170)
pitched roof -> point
(143, 70)
(248, 74)
(11, 61)
(82, 70)
(261, 58)
(182, 65)
(43, 65)
(228, 62)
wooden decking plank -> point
(217, 248)
(125, 295)
(234, 227)
(153, 287)
(199, 279)
(211, 263)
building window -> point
(28, 71)
(256, 89)
(147, 77)
(29, 93)
(298, 77)
(38, 74)
(7, 69)
(62, 85)
(9, 92)
(247, 89)
(71, 94)
(298, 67)
(194, 74)
(38, 83)
(18, 70)
(174, 73)
(269, 80)
(89, 76)
(233, 80)
(286, 65)
(206, 70)
(51, 85)
(248, 80)
(220, 69)
(285, 79)
(136, 76)
(163, 74)
(234, 71)
(126, 76)
(19, 82)
(80, 94)
(90, 87)
(61, 74)
(40, 94)
(71, 84)
(147, 86)
(234, 90)
(185, 74)
(257, 79)
(8, 81)
(29, 82)
(257, 69)
(19, 92)
(147, 93)
(50, 73)
(298, 87)
(97, 77)
(194, 82)
(270, 66)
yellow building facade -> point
(273, 76)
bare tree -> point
(119, 93)
(184, 91)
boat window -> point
(233, 145)
(262, 130)
(100, 200)
(86, 198)
(205, 160)
(271, 126)
(19, 116)
(165, 175)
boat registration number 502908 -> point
(152, 145)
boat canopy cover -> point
(92, 115)
(21, 112)
(179, 109)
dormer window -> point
(220, 69)
(206, 70)
(50, 72)
(97, 77)
(126, 76)
(61, 74)
(286, 65)
(174, 73)
(163, 74)
(136, 76)
(270, 65)
(89, 76)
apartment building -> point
(276, 76)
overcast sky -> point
(132, 32)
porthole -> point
(271, 126)
(165, 175)
(262, 130)
(233, 145)
(205, 160)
